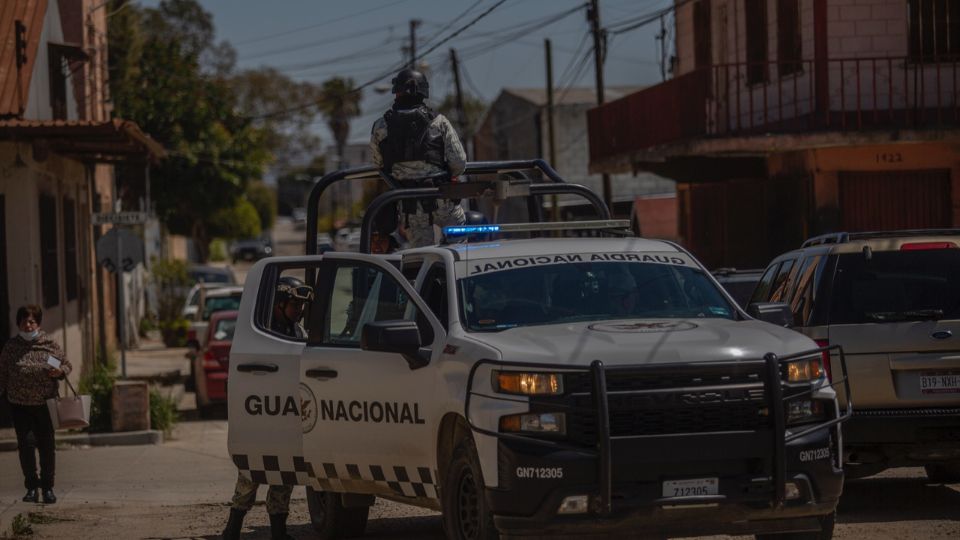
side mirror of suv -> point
(772, 312)
(400, 336)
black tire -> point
(465, 512)
(943, 473)
(331, 520)
(826, 531)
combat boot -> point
(234, 524)
(278, 527)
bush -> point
(174, 332)
(218, 250)
(99, 384)
(147, 323)
(163, 412)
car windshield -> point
(224, 329)
(895, 286)
(220, 303)
(596, 291)
(203, 276)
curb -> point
(126, 438)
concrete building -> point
(791, 118)
(515, 127)
(58, 144)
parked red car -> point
(211, 367)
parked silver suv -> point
(892, 301)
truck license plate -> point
(695, 487)
(940, 383)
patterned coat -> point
(24, 370)
(453, 153)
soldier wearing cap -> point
(419, 148)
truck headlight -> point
(528, 384)
(802, 411)
(545, 423)
(807, 370)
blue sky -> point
(318, 39)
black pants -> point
(35, 432)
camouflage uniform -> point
(244, 495)
(419, 228)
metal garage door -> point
(887, 200)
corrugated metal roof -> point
(31, 13)
(572, 96)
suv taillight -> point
(922, 246)
(825, 357)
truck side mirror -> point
(772, 312)
(399, 336)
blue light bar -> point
(470, 229)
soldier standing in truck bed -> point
(419, 148)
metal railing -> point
(775, 395)
(744, 98)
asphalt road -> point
(181, 489)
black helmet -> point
(410, 82)
(475, 218)
(289, 287)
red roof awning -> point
(86, 140)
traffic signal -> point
(21, 36)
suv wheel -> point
(826, 531)
(331, 519)
(944, 473)
(465, 512)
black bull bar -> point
(770, 364)
(553, 184)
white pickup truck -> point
(550, 386)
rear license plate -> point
(940, 383)
(694, 487)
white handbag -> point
(69, 412)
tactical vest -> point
(408, 138)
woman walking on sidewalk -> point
(30, 366)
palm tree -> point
(339, 102)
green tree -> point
(266, 94)
(238, 221)
(339, 102)
(264, 200)
(158, 81)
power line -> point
(311, 44)
(391, 71)
(318, 25)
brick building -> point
(791, 118)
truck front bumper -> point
(530, 494)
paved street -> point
(180, 490)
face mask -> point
(30, 336)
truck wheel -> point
(944, 473)
(331, 520)
(826, 531)
(465, 512)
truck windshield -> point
(596, 291)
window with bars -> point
(934, 30)
(70, 247)
(789, 43)
(49, 265)
(756, 21)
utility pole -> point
(662, 38)
(593, 15)
(414, 23)
(461, 113)
(555, 209)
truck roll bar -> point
(466, 190)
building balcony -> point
(756, 108)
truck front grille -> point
(645, 403)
